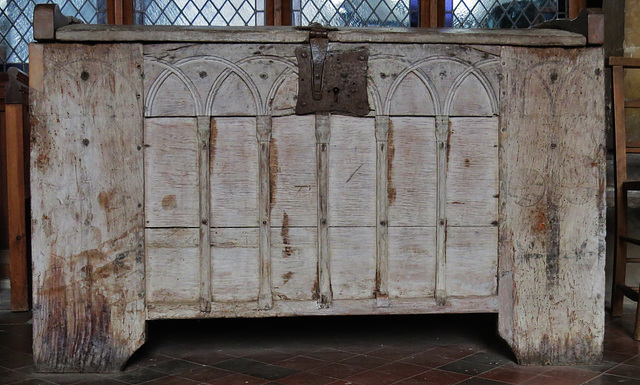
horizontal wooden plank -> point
(412, 262)
(472, 261)
(624, 61)
(630, 240)
(631, 185)
(235, 265)
(634, 103)
(352, 260)
(338, 307)
(629, 292)
(172, 268)
(523, 37)
(294, 262)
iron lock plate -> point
(331, 81)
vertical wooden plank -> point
(323, 135)
(575, 6)
(425, 13)
(552, 204)
(17, 231)
(204, 135)
(269, 18)
(442, 142)
(382, 211)
(433, 14)
(620, 263)
(87, 204)
(263, 133)
(4, 216)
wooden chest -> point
(172, 178)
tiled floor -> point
(408, 350)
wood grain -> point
(412, 172)
(352, 172)
(108, 33)
(324, 292)
(171, 151)
(552, 205)
(339, 307)
(263, 134)
(293, 172)
(412, 262)
(473, 167)
(204, 159)
(472, 261)
(382, 124)
(173, 267)
(87, 205)
(352, 254)
(234, 173)
(235, 264)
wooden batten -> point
(382, 211)
(323, 135)
(442, 143)
(204, 135)
(263, 134)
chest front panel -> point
(255, 210)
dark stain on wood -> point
(284, 233)
(169, 202)
(315, 290)
(213, 139)
(106, 200)
(391, 152)
(73, 319)
(287, 276)
(467, 162)
(273, 172)
(553, 245)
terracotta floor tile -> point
(572, 374)
(608, 379)
(548, 380)
(330, 355)
(172, 380)
(508, 375)
(338, 370)
(402, 369)
(300, 363)
(270, 356)
(466, 367)
(306, 379)
(441, 377)
(427, 359)
(365, 362)
(204, 374)
(238, 379)
(373, 377)
(624, 370)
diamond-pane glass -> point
(16, 18)
(354, 13)
(203, 12)
(502, 13)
